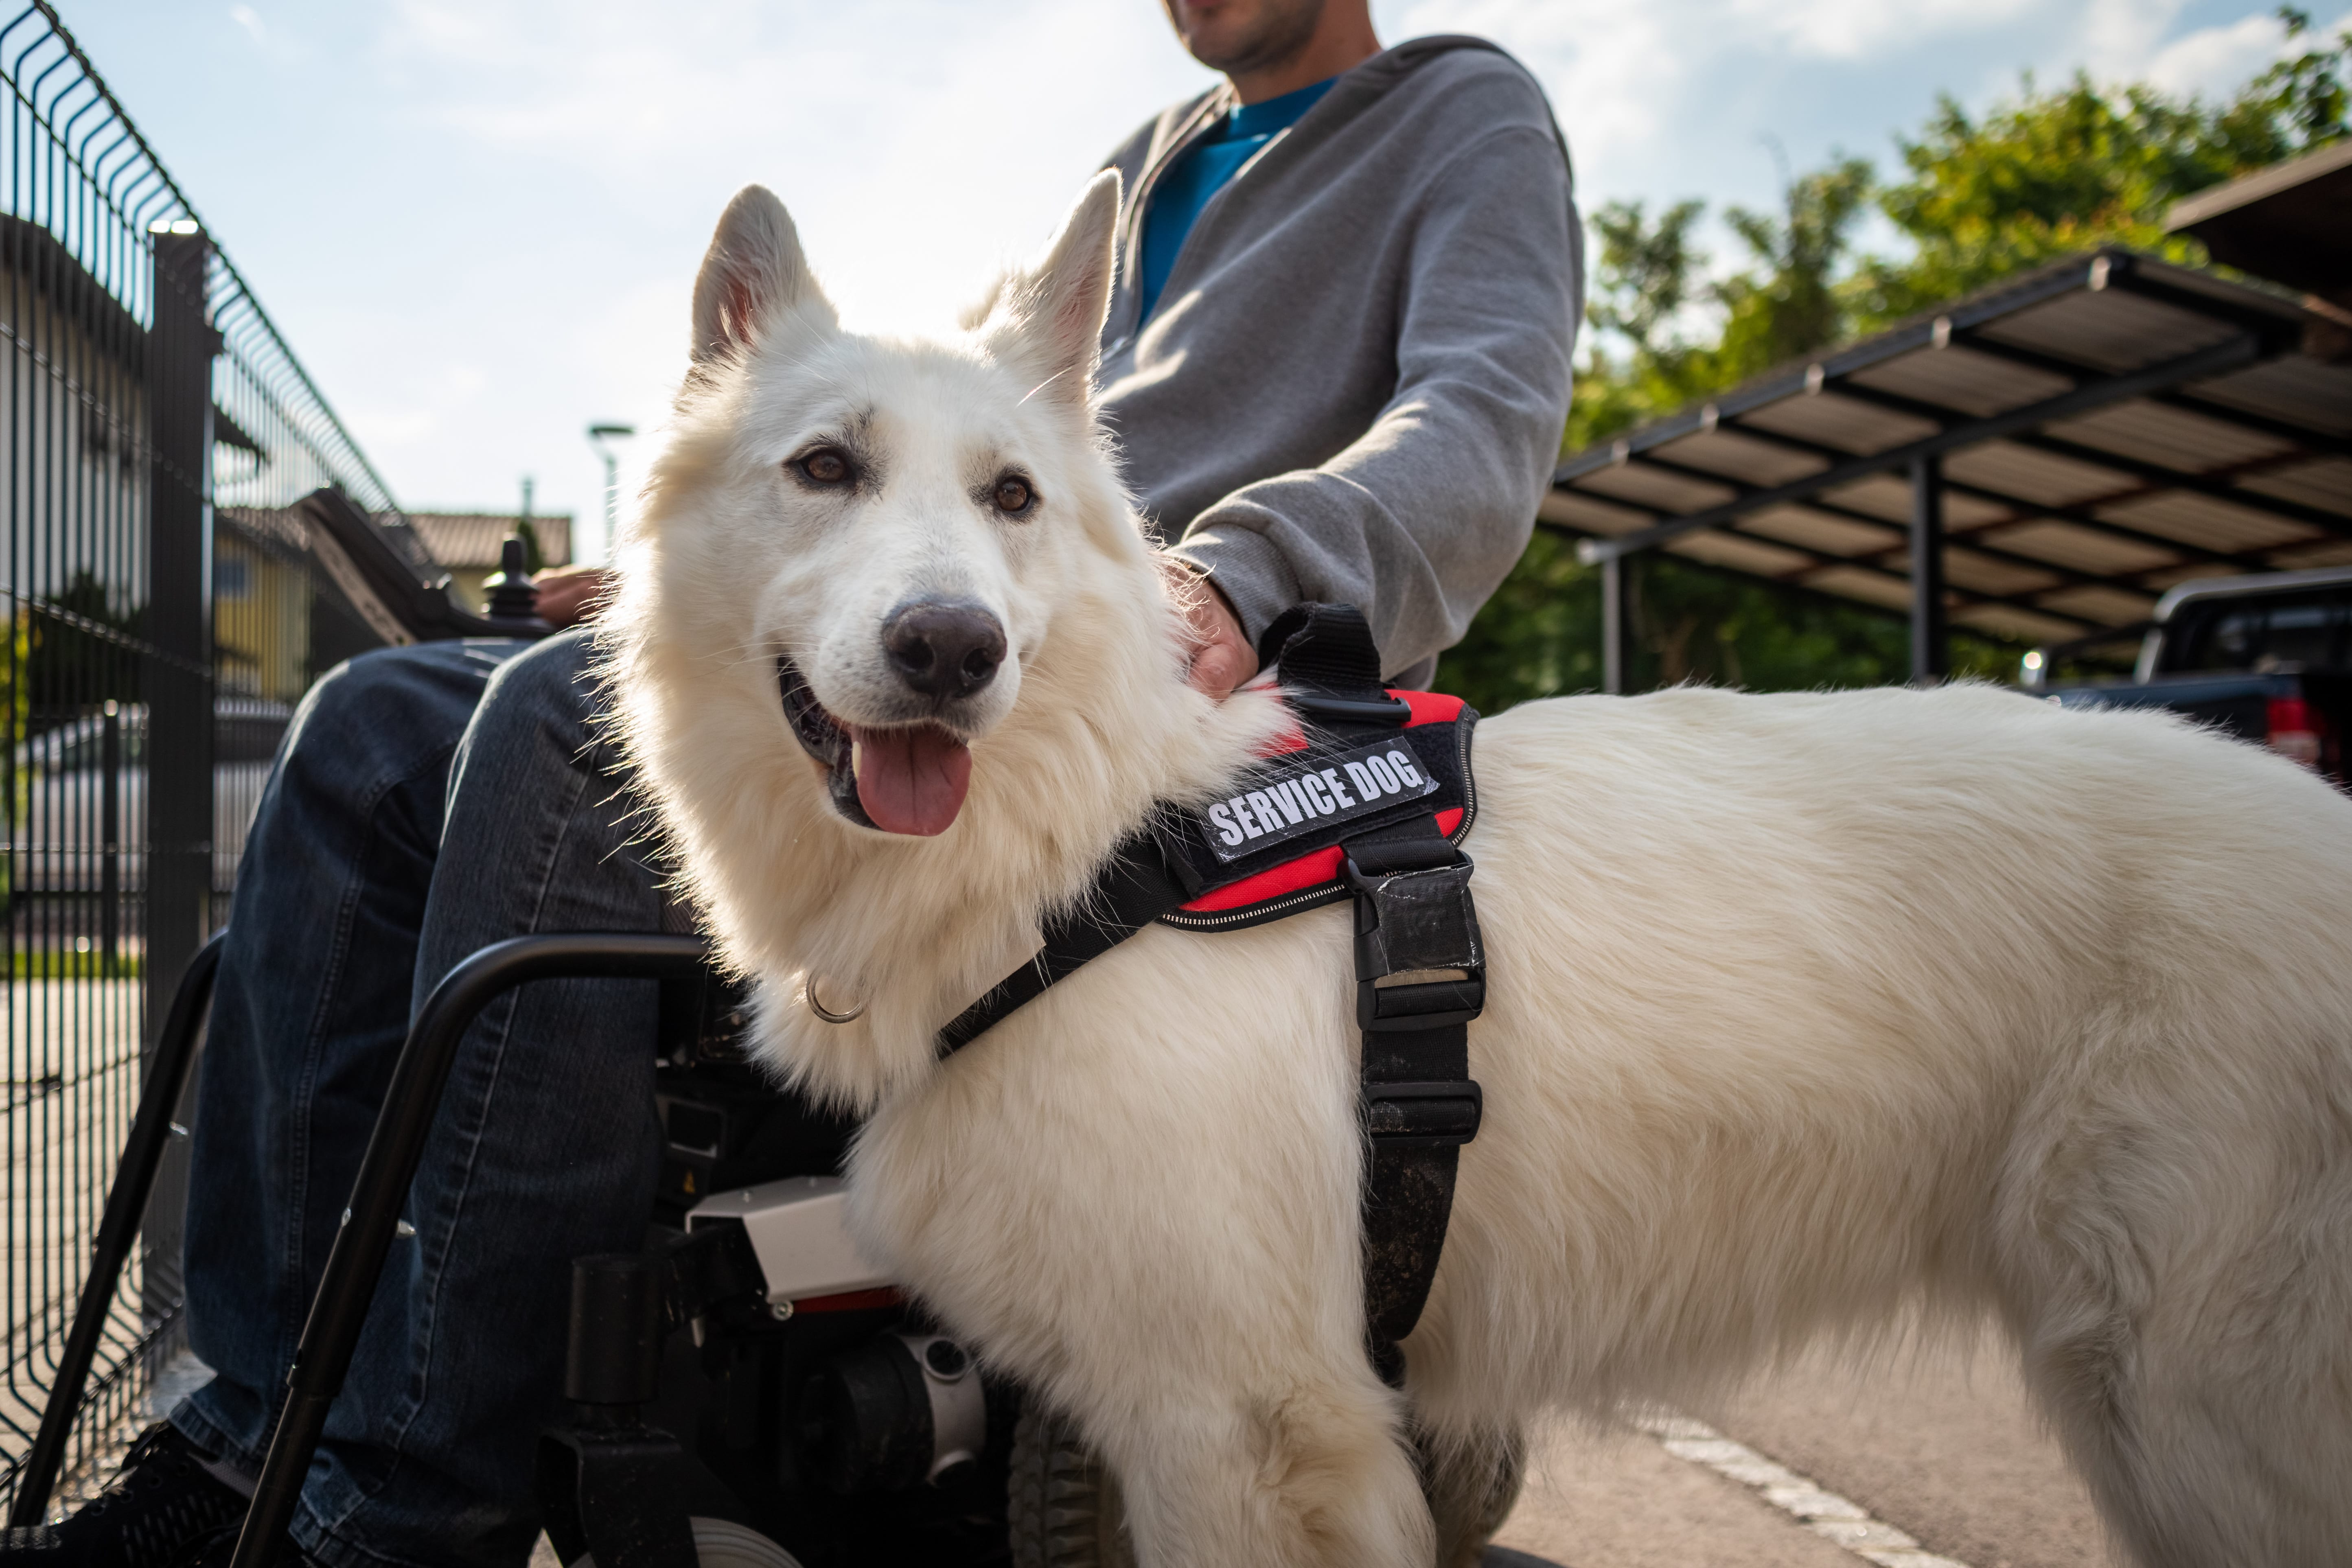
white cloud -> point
(268, 41)
(1614, 72)
(2115, 37)
(2212, 60)
(1859, 30)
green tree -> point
(2054, 174)
(2050, 172)
(1789, 306)
(1649, 281)
(1540, 635)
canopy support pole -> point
(1931, 654)
(1612, 626)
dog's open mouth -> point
(907, 778)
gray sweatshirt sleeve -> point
(1422, 516)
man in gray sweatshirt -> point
(1346, 381)
(1338, 366)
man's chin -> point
(1244, 35)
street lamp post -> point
(601, 437)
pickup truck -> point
(2266, 656)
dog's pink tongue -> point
(911, 781)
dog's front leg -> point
(1316, 1478)
(1471, 1487)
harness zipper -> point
(1304, 899)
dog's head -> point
(889, 526)
(892, 653)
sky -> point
(477, 222)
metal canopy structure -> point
(2291, 223)
(2039, 461)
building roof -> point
(32, 255)
(462, 540)
(2105, 426)
(2291, 222)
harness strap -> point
(1415, 929)
(1420, 976)
(1133, 888)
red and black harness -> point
(1370, 804)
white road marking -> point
(1833, 1518)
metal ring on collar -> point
(825, 1013)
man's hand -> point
(1222, 654)
(570, 594)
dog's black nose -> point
(942, 648)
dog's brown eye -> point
(1013, 494)
(826, 467)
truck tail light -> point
(2295, 730)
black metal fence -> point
(163, 615)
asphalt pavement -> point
(1925, 1462)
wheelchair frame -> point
(611, 1484)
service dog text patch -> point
(1292, 796)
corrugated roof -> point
(2291, 223)
(471, 539)
(2107, 426)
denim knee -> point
(373, 718)
(549, 687)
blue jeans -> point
(428, 801)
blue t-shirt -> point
(1202, 171)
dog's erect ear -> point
(1052, 314)
(753, 272)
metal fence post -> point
(178, 675)
(109, 869)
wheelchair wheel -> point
(1062, 1506)
(719, 1544)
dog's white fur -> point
(1807, 1013)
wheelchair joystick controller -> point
(513, 604)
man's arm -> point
(1419, 519)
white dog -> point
(1808, 1013)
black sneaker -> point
(160, 1510)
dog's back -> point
(1808, 1008)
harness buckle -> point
(1423, 1115)
(1417, 923)
(1428, 1004)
